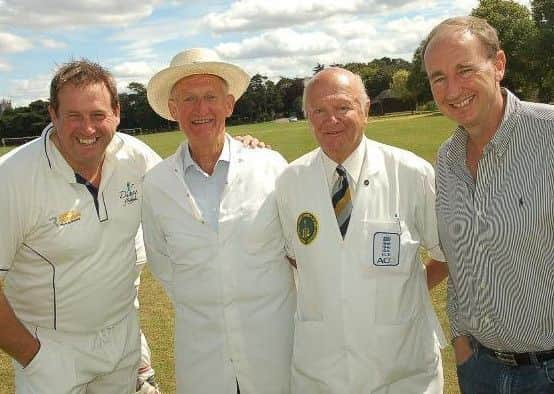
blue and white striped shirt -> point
(498, 232)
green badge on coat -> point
(306, 227)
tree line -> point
(527, 37)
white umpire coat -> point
(233, 289)
(365, 322)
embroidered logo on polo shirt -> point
(129, 194)
(66, 218)
(306, 227)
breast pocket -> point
(389, 259)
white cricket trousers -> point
(104, 362)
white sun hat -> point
(191, 62)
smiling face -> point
(465, 81)
(85, 123)
(200, 103)
(337, 110)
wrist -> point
(31, 353)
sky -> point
(134, 39)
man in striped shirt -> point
(495, 209)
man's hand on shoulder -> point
(251, 142)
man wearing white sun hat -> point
(213, 237)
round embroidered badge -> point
(306, 227)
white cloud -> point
(23, 91)
(10, 43)
(245, 15)
(5, 66)
(132, 69)
(350, 28)
(69, 13)
(278, 42)
(139, 41)
(52, 44)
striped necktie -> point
(342, 201)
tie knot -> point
(341, 170)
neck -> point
(92, 172)
(207, 154)
(480, 134)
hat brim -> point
(160, 85)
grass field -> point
(421, 134)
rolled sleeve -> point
(452, 311)
(285, 220)
(12, 225)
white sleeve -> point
(284, 217)
(13, 224)
(426, 215)
(155, 244)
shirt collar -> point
(188, 161)
(500, 140)
(352, 164)
(57, 162)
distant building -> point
(387, 102)
(4, 105)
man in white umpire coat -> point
(355, 213)
(214, 239)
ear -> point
(117, 113)
(365, 108)
(500, 65)
(53, 115)
(229, 104)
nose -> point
(87, 125)
(452, 88)
(333, 118)
(200, 105)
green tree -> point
(24, 121)
(137, 113)
(261, 101)
(399, 86)
(518, 36)
(290, 90)
(543, 15)
(417, 82)
(318, 68)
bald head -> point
(340, 77)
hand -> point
(462, 349)
(251, 142)
(31, 353)
(436, 271)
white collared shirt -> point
(207, 189)
(67, 265)
(352, 164)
